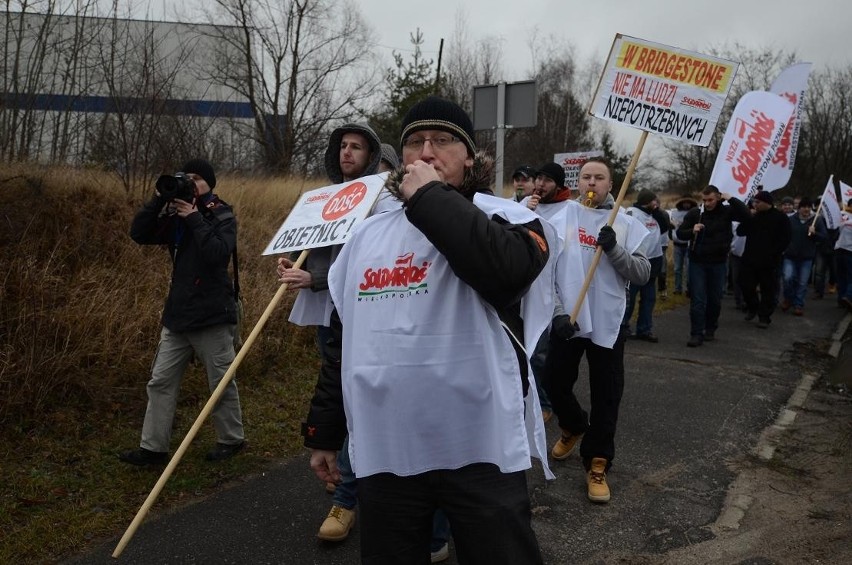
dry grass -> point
(79, 319)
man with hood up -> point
(354, 150)
(431, 381)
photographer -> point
(200, 314)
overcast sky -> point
(817, 30)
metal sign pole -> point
(501, 137)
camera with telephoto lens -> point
(176, 187)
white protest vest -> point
(430, 378)
(313, 308)
(655, 241)
(603, 307)
(546, 210)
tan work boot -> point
(337, 524)
(596, 481)
(565, 446)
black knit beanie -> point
(201, 168)
(439, 114)
(553, 171)
(645, 197)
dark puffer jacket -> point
(498, 260)
(201, 293)
(713, 243)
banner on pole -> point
(572, 162)
(665, 90)
(790, 84)
(845, 193)
(753, 135)
(829, 206)
(326, 216)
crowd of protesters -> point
(490, 323)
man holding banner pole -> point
(598, 333)
(354, 150)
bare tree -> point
(301, 64)
(825, 146)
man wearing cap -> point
(200, 314)
(788, 205)
(432, 383)
(767, 234)
(549, 196)
(523, 179)
(646, 209)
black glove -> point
(563, 328)
(606, 238)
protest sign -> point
(753, 135)
(326, 216)
(664, 90)
(790, 84)
(829, 206)
(572, 162)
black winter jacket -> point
(713, 243)
(499, 260)
(201, 293)
(767, 235)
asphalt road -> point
(687, 415)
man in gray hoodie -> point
(354, 151)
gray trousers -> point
(215, 348)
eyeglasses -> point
(415, 143)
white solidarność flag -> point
(829, 206)
(790, 84)
(845, 193)
(754, 133)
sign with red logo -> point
(572, 163)
(326, 216)
(754, 133)
(661, 89)
(791, 84)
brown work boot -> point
(337, 524)
(565, 446)
(596, 481)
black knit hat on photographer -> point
(442, 115)
(201, 168)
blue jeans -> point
(706, 284)
(680, 257)
(345, 493)
(824, 265)
(647, 299)
(440, 530)
(796, 273)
